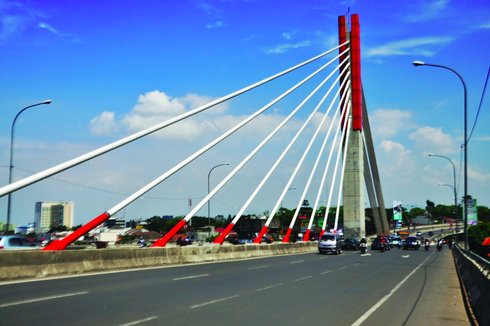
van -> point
(330, 242)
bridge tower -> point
(353, 186)
(359, 165)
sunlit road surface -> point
(397, 287)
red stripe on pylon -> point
(162, 242)
(307, 235)
(286, 237)
(355, 39)
(261, 234)
(221, 238)
(62, 244)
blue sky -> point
(114, 67)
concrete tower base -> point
(353, 188)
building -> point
(53, 213)
(115, 222)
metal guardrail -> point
(475, 274)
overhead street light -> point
(209, 201)
(465, 145)
(11, 166)
(292, 188)
(454, 187)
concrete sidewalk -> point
(445, 304)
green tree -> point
(483, 213)
(476, 235)
(57, 228)
(157, 224)
(76, 227)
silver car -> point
(330, 242)
(16, 242)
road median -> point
(16, 265)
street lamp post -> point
(453, 186)
(455, 203)
(209, 201)
(465, 144)
(11, 166)
(292, 188)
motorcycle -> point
(382, 247)
(439, 246)
(427, 247)
(141, 243)
(362, 247)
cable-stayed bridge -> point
(289, 289)
(344, 162)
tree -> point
(76, 227)
(157, 224)
(476, 235)
(57, 228)
(483, 213)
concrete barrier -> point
(475, 274)
(25, 264)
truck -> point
(403, 234)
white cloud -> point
(394, 158)
(414, 46)
(46, 26)
(286, 47)
(427, 10)
(210, 10)
(387, 123)
(288, 35)
(434, 140)
(103, 124)
(215, 25)
(156, 107)
(11, 24)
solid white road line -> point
(303, 278)
(189, 277)
(140, 321)
(258, 267)
(386, 297)
(42, 299)
(214, 301)
(269, 287)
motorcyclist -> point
(141, 242)
(427, 242)
(363, 245)
(440, 242)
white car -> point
(15, 242)
(419, 233)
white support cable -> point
(102, 150)
(364, 144)
(246, 159)
(320, 154)
(293, 141)
(179, 166)
(306, 188)
(327, 208)
(293, 175)
(341, 183)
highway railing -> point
(474, 272)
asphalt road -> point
(397, 287)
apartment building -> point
(53, 213)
